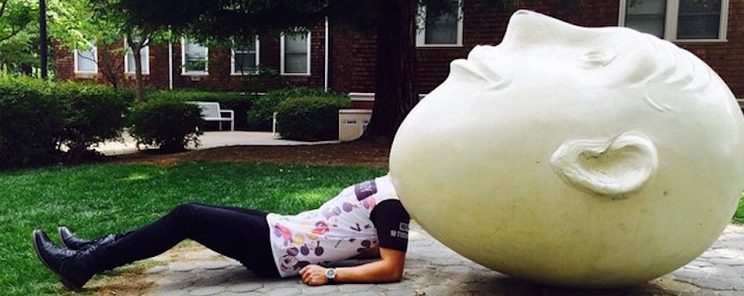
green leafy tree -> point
(393, 22)
(15, 16)
(18, 36)
(81, 22)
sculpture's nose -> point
(528, 27)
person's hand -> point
(314, 275)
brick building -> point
(344, 61)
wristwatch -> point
(330, 273)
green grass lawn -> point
(93, 200)
(739, 216)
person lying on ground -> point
(364, 219)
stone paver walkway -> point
(433, 269)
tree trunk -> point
(138, 72)
(396, 90)
(108, 70)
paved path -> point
(433, 269)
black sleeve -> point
(391, 221)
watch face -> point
(330, 273)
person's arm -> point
(388, 269)
(373, 253)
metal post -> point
(43, 38)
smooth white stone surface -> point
(573, 156)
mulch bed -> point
(357, 153)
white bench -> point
(211, 111)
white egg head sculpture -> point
(579, 157)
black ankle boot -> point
(74, 268)
(72, 242)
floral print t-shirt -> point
(341, 228)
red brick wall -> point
(219, 77)
(353, 55)
(727, 59)
(353, 61)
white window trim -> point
(145, 55)
(670, 22)
(281, 56)
(421, 28)
(183, 61)
(232, 60)
(76, 65)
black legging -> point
(241, 234)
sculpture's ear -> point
(613, 167)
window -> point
(446, 30)
(130, 66)
(86, 61)
(245, 58)
(194, 58)
(295, 57)
(677, 20)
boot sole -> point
(69, 285)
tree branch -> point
(2, 8)
(12, 33)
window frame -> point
(282, 53)
(76, 65)
(421, 28)
(184, 72)
(145, 56)
(671, 19)
(258, 59)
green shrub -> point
(170, 124)
(264, 78)
(30, 122)
(93, 114)
(310, 118)
(261, 114)
(238, 102)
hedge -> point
(170, 124)
(93, 114)
(310, 118)
(45, 122)
(32, 122)
(238, 102)
(261, 114)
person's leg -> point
(241, 234)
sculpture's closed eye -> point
(596, 58)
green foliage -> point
(32, 121)
(264, 78)
(169, 124)
(40, 118)
(195, 65)
(93, 114)
(739, 215)
(310, 118)
(18, 35)
(228, 99)
(261, 114)
(101, 199)
(238, 102)
(15, 16)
